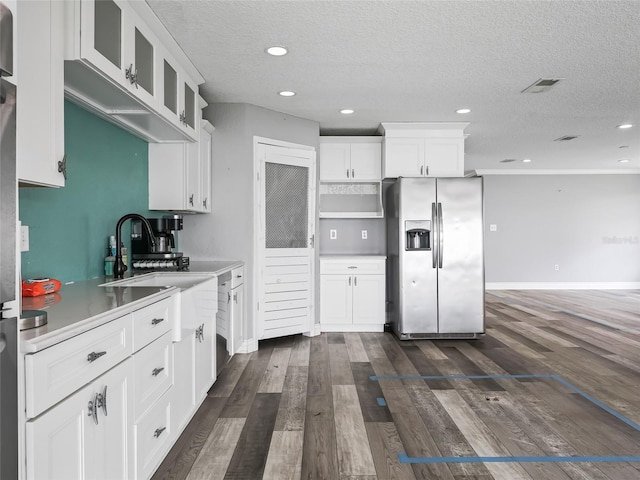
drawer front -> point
(153, 373)
(57, 371)
(153, 434)
(237, 277)
(151, 322)
(353, 266)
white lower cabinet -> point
(88, 435)
(205, 358)
(153, 437)
(352, 294)
(110, 402)
(183, 391)
(230, 316)
(194, 371)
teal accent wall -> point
(107, 177)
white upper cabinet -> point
(350, 158)
(180, 174)
(423, 150)
(40, 111)
(124, 65)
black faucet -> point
(119, 267)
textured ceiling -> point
(397, 60)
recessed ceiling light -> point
(346, 111)
(526, 160)
(625, 125)
(277, 50)
(286, 93)
(463, 110)
(624, 160)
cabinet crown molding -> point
(423, 129)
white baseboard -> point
(248, 346)
(562, 285)
(349, 327)
(315, 331)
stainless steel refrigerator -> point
(435, 257)
(8, 326)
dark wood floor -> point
(307, 408)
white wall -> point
(228, 232)
(588, 225)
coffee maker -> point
(162, 256)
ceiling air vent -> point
(508, 160)
(541, 85)
(566, 138)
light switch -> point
(333, 234)
(493, 227)
(24, 238)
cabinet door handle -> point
(102, 401)
(349, 281)
(191, 200)
(130, 75)
(156, 371)
(355, 281)
(228, 297)
(427, 170)
(159, 431)
(204, 203)
(235, 298)
(94, 356)
(347, 173)
(93, 408)
(353, 173)
(238, 276)
(62, 166)
(421, 169)
(352, 267)
(156, 321)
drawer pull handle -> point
(93, 408)
(94, 356)
(156, 371)
(238, 276)
(156, 321)
(159, 431)
(352, 267)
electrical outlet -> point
(24, 238)
(364, 234)
(493, 227)
(556, 267)
(333, 234)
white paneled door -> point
(286, 238)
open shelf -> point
(351, 200)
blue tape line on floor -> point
(403, 458)
(382, 402)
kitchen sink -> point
(182, 280)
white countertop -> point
(81, 306)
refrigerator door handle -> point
(440, 236)
(434, 246)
